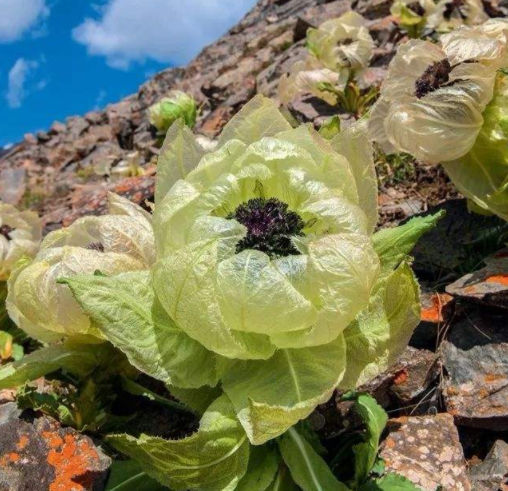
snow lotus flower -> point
(446, 104)
(175, 106)
(269, 279)
(451, 14)
(20, 235)
(338, 51)
(119, 242)
(412, 15)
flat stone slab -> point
(426, 450)
(37, 454)
(488, 286)
(475, 357)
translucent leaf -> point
(354, 144)
(381, 332)
(307, 468)
(125, 310)
(257, 119)
(394, 244)
(76, 359)
(263, 465)
(213, 459)
(178, 156)
(271, 396)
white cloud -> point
(19, 16)
(18, 77)
(168, 31)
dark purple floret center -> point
(435, 76)
(455, 6)
(416, 8)
(270, 226)
(6, 230)
(95, 246)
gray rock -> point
(38, 454)
(426, 450)
(492, 473)
(475, 358)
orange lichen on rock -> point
(434, 312)
(9, 458)
(23, 442)
(501, 279)
(401, 377)
(71, 459)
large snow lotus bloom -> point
(119, 242)
(437, 101)
(268, 278)
(20, 235)
(338, 51)
(175, 106)
(451, 14)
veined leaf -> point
(125, 310)
(380, 334)
(390, 482)
(307, 468)
(77, 359)
(128, 476)
(213, 459)
(272, 395)
(394, 244)
(196, 399)
(375, 419)
(263, 465)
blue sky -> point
(65, 57)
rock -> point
(474, 356)
(426, 450)
(12, 185)
(492, 473)
(57, 127)
(437, 309)
(488, 286)
(36, 453)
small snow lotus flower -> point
(445, 104)
(411, 15)
(338, 52)
(451, 14)
(175, 106)
(20, 236)
(111, 244)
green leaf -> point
(390, 482)
(196, 399)
(394, 244)
(125, 310)
(263, 465)
(272, 395)
(260, 117)
(380, 334)
(375, 419)
(283, 481)
(77, 359)
(331, 128)
(127, 476)
(136, 389)
(307, 468)
(213, 459)
(179, 154)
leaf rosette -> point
(20, 236)
(269, 282)
(446, 104)
(119, 242)
(176, 105)
(338, 52)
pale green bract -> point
(115, 243)
(177, 105)
(276, 332)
